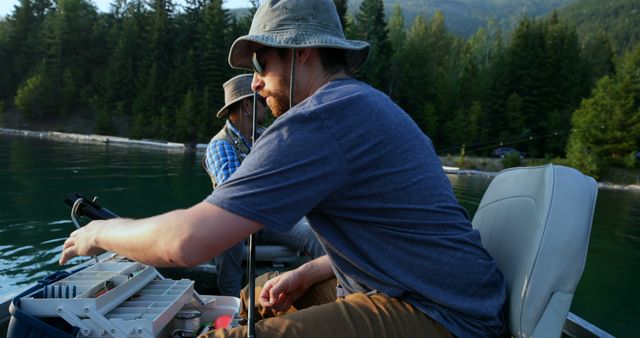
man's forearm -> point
(317, 270)
(157, 240)
(177, 238)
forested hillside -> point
(145, 70)
(465, 17)
(618, 20)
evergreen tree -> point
(7, 87)
(244, 24)
(397, 37)
(66, 74)
(598, 58)
(185, 123)
(564, 87)
(341, 7)
(24, 38)
(153, 77)
(445, 58)
(415, 93)
(214, 69)
(618, 18)
(606, 127)
(184, 77)
(495, 126)
(2, 113)
(104, 123)
(124, 64)
(29, 97)
(370, 26)
(474, 85)
(527, 71)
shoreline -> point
(102, 139)
(604, 185)
(173, 146)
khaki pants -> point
(318, 314)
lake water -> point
(35, 176)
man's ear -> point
(302, 54)
(247, 104)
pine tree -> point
(397, 37)
(153, 76)
(341, 7)
(416, 80)
(124, 65)
(213, 68)
(370, 26)
(527, 70)
(599, 54)
(185, 123)
(24, 38)
(66, 72)
(606, 127)
(446, 66)
(563, 82)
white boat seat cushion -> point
(536, 223)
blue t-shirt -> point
(375, 193)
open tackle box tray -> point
(113, 298)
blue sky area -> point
(6, 6)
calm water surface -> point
(35, 176)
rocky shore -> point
(101, 139)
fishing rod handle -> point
(88, 208)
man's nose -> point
(257, 84)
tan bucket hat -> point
(297, 24)
(236, 89)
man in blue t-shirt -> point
(225, 152)
(404, 256)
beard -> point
(278, 97)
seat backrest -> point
(536, 223)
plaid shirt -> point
(221, 157)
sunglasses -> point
(257, 66)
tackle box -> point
(112, 299)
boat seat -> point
(536, 222)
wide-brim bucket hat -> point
(297, 24)
(236, 89)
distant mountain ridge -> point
(464, 17)
(617, 18)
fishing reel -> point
(81, 206)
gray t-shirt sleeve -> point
(294, 166)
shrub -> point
(28, 96)
(630, 160)
(511, 160)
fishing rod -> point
(251, 320)
(87, 208)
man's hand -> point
(81, 242)
(280, 292)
